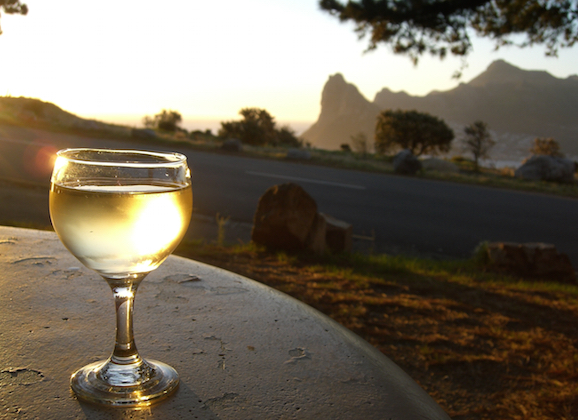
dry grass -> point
(484, 346)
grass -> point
(483, 345)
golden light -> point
(157, 225)
(59, 163)
(39, 159)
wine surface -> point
(121, 229)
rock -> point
(339, 234)
(546, 168)
(316, 240)
(143, 134)
(531, 260)
(286, 218)
(344, 111)
(232, 145)
(406, 163)
(439, 165)
(298, 154)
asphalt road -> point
(404, 214)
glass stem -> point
(124, 291)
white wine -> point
(119, 230)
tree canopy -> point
(546, 146)
(167, 120)
(11, 7)
(439, 27)
(419, 132)
(258, 128)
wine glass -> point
(121, 213)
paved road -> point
(406, 215)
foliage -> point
(12, 7)
(478, 140)
(258, 128)
(345, 148)
(548, 147)
(416, 131)
(167, 120)
(286, 137)
(439, 27)
(200, 135)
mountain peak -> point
(336, 78)
(501, 72)
(340, 96)
(518, 105)
(344, 112)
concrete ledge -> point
(243, 350)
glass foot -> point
(125, 386)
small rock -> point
(531, 260)
(406, 163)
(339, 234)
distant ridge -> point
(517, 104)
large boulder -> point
(406, 163)
(546, 168)
(530, 260)
(287, 218)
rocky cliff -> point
(518, 106)
(344, 112)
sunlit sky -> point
(117, 61)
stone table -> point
(242, 350)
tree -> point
(439, 27)
(548, 147)
(258, 128)
(12, 7)
(416, 131)
(286, 137)
(167, 120)
(478, 140)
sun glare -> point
(158, 223)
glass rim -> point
(164, 159)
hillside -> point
(36, 113)
(518, 105)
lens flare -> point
(39, 159)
